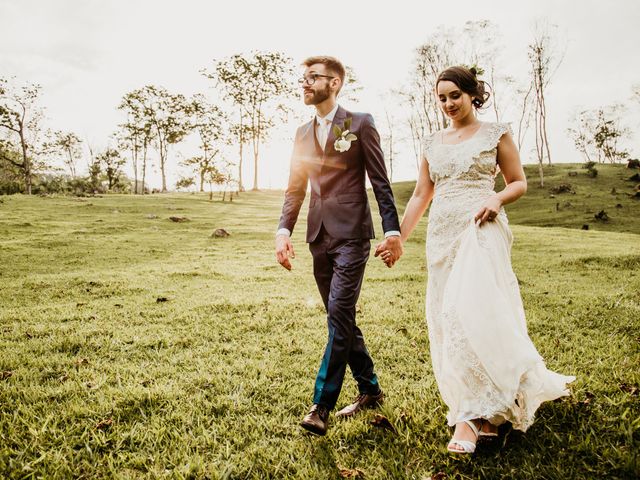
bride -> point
(487, 369)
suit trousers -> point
(338, 267)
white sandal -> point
(467, 445)
(486, 435)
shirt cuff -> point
(391, 233)
(283, 231)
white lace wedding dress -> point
(483, 359)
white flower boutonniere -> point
(343, 136)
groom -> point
(333, 152)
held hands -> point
(489, 210)
(284, 251)
(390, 250)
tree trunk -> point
(134, 161)
(543, 122)
(144, 165)
(162, 149)
(26, 164)
(240, 184)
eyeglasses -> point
(311, 79)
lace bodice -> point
(464, 177)
(473, 160)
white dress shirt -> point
(323, 126)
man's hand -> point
(390, 250)
(284, 251)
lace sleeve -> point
(493, 135)
(426, 144)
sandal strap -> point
(467, 446)
(473, 427)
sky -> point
(87, 54)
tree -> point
(388, 136)
(94, 174)
(169, 115)
(597, 132)
(137, 132)
(582, 131)
(67, 144)
(423, 113)
(202, 166)
(160, 116)
(609, 132)
(351, 89)
(525, 102)
(208, 122)
(112, 163)
(20, 118)
(544, 62)
(257, 84)
(185, 182)
(11, 180)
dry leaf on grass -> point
(630, 389)
(104, 424)
(588, 396)
(381, 421)
(438, 476)
(351, 473)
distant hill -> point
(611, 191)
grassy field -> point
(611, 191)
(135, 347)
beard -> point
(317, 97)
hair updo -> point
(467, 80)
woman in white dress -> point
(487, 369)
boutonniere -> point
(343, 136)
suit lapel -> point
(309, 138)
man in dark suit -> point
(334, 152)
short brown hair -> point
(334, 65)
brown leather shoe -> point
(317, 420)
(364, 400)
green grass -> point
(107, 381)
(611, 191)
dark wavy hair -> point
(467, 80)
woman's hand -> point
(489, 210)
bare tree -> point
(544, 60)
(525, 96)
(20, 118)
(388, 136)
(581, 131)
